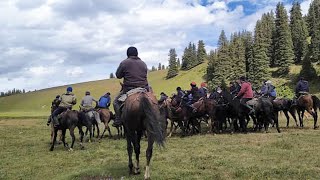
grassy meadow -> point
(24, 142)
(292, 154)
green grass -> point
(38, 103)
(293, 154)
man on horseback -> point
(134, 72)
(163, 97)
(104, 101)
(234, 87)
(86, 103)
(192, 96)
(302, 87)
(54, 105)
(245, 93)
(67, 101)
(271, 90)
(203, 90)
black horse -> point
(70, 120)
(285, 105)
(141, 112)
(266, 114)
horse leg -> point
(266, 124)
(54, 138)
(276, 121)
(315, 117)
(63, 138)
(81, 137)
(148, 155)
(72, 137)
(98, 130)
(300, 119)
(105, 128)
(129, 150)
(171, 129)
(136, 145)
(293, 114)
(285, 112)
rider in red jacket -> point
(246, 93)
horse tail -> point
(316, 102)
(153, 121)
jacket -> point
(246, 90)
(302, 86)
(67, 100)
(104, 101)
(87, 101)
(134, 72)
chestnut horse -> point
(306, 103)
(141, 112)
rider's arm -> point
(120, 71)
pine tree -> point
(299, 32)
(163, 67)
(248, 44)
(237, 57)
(308, 70)
(187, 58)
(269, 28)
(111, 75)
(211, 65)
(201, 54)
(159, 67)
(178, 63)
(153, 68)
(173, 68)
(283, 42)
(259, 62)
(194, 56)
(314, 29)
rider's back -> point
(68, 100)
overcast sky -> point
(47, 43)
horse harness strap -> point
(123, 97)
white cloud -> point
(85, 40)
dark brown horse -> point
(285, 105)
(306, 103)
(70, 120)
(141, 112)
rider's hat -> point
(132, 51)
(193, 84)
(69, 89)
(87, 92)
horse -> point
(170, 109)
(140, 112)
(71, 119)
(306, 103)
(94, 118)
(265, 114)
(285, 105)
(52, 132)
(106, 115)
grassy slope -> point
(38, 103)
(293, 154)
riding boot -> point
(117, 121)
(49, 120)
(251, 109)
(55, 121)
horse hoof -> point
(51, 149)
(316, 127)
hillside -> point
(38, 103)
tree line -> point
(277, 42)
(12, 92)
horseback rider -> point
(67, 100)
(54, 105)
(134, 72)
(302, 87)
(86, 103)
(234, 87)
(271, 90)
(104, 101)
(263, 89)
(163, 97)
(203, 90)
(192, 96)
(217, 95)
(246, 93)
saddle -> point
(123, 97)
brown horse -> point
(305, 103)
(141, 112)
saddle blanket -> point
(123, 97)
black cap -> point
(132, 51)
(178, 88)
(242, 78)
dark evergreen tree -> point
(237, 57)
(314, 29)
(178, 63)
(111, 75)
(159, 67)
(173, 68)
(299, 32)
(248, 44)
(259, 63)
(153, 68)
(187, 60)
(194, 59)
(201, 53)
(163, 67)
(269, 29)
(283, 42)
(211, 65)
(308, 70)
